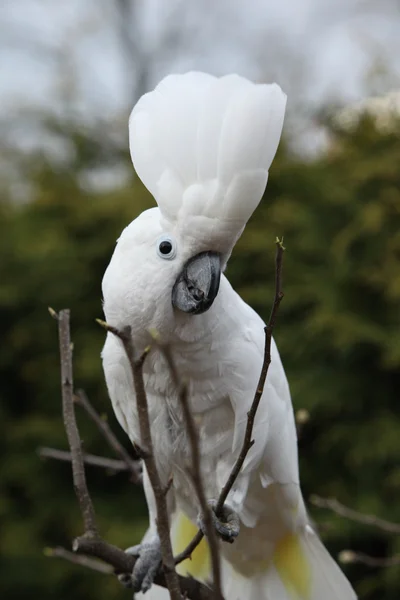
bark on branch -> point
(90, 543)
(110, 464)
(71, 428)
(106, 431)
(353, 515)
(349, 556)
(79, 559)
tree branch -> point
(124, 563)
(146, 444)
(353, 515)
(195, 471)
(105, 429)
(67, 383)
(79, 559)
(90, 543)
(248, 442)
(348, 556)
(89, 459)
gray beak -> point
(197, 285)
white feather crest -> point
(203, 145)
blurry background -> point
(69, 75)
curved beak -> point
(197, 285)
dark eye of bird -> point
(165, 247)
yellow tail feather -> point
(183, 531)
(293, 567)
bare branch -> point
(132, 465)
(190, 548)
(195, 472)
(124, 563)
(79, 559)
(78, 469)
(91, 544)
(146, 444)
(89, 459)
(348, 556)
(353, 515)
(248, 442)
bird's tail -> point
(300, 569)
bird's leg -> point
(227, 525)
(148, 553)
(148, 563)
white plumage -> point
(203, 147)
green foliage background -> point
(338, 333)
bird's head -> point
(156, 272)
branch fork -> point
(90, 544)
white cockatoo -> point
(203, 146)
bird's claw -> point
(227, 525)
(146, 567)
(125, 579)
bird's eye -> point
(166, 247)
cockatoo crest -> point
(202, 146)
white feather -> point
(327, 582)
(203, 145)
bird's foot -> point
(146, 567)
(227, 525)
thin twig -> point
(132, 465)
(93, 460)
(353, 515)
(248, 442)
(74, 440)
(146, 444)
(79, 559)
(349, 556)
(195, 471)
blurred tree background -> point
(67, 189)
(338, 331)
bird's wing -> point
(120, 386)
(274, 453)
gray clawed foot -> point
(227, 525)
(146, 567)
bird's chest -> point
(214, 419)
